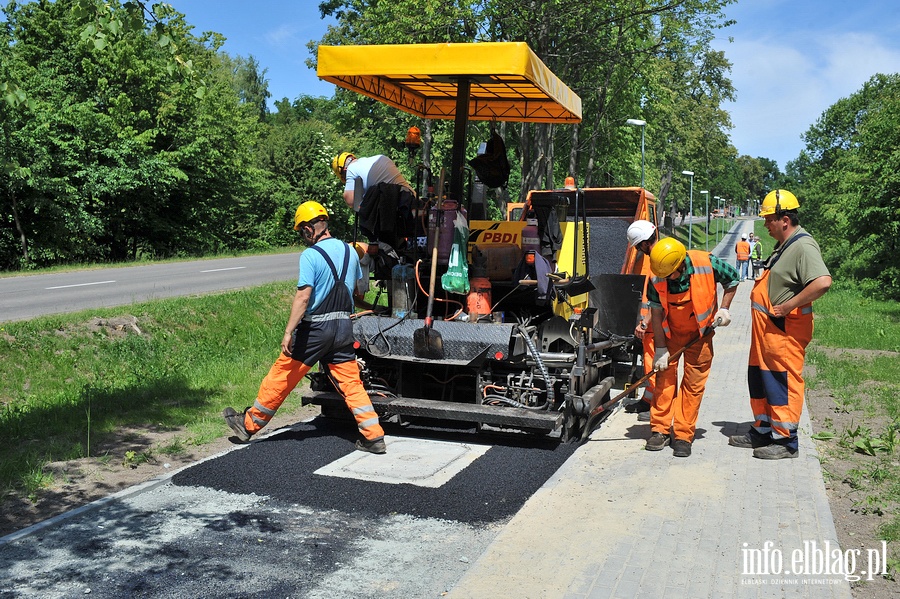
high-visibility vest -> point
(703, 291)
(743, 250)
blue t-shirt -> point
(315, 273)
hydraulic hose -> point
(540, 363)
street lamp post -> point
(705, 193)
(642, 125)
(691, 209)
(718, 224)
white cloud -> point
(282, 36)
(785, 83)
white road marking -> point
(221, 269)
(80, 285)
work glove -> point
(661, 359)
(723, 316)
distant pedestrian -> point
(782, 326)
(755, 255)
(684, 306)
(318, 330)
(642, 235)
(742, 249)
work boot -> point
(681, 448)
(376, 446)
(748, 441)
(656, 441)
(643, 416)
(235, 421)
(637, 407)
(775, 451)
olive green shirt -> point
(798, 267)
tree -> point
(610, 53)
(850, 185)
(134, 142)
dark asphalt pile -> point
(493, 488)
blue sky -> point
(792, 59)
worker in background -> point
(642, 236)
(742, 249)
(755, 255)
(318, 330)
(380, 195)
(782, 325)
(683, 307)
(368, 171)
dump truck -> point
(553, 296)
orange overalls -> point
(742, 250)
(648, 345)
(775, 371)
(687, 315)
(327, 336)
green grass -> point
(699, 236)
(856, 355)
(65, 385)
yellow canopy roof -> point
(508, 81)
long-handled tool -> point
(606, 405)
(428, 343)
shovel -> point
(428, 343)
(605, 406)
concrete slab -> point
(420, 462)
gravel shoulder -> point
(79, 482)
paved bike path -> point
(619, 521)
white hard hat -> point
(640, 230)
(744, 236)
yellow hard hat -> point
(666, 256)
(309, 212)
(361, 248)
(777, 201)
(338, 162)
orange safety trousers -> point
(775, 368)
(649, 351)
(648, 345)
(676, 407)
(286, 373)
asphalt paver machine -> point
(534, 344)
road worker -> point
(782, 325)
(742, 250)
(642, 235)
(683, 307)
(755, 254)
(382, 197)
(318, 330)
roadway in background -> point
(29, 296)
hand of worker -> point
(640, 330)
(287, 344)
(723, 316)
(661, 359)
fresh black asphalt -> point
(257, 522)
(281, 466)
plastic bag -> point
(456, 279)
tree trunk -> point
(573, 154)
(23, 240)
